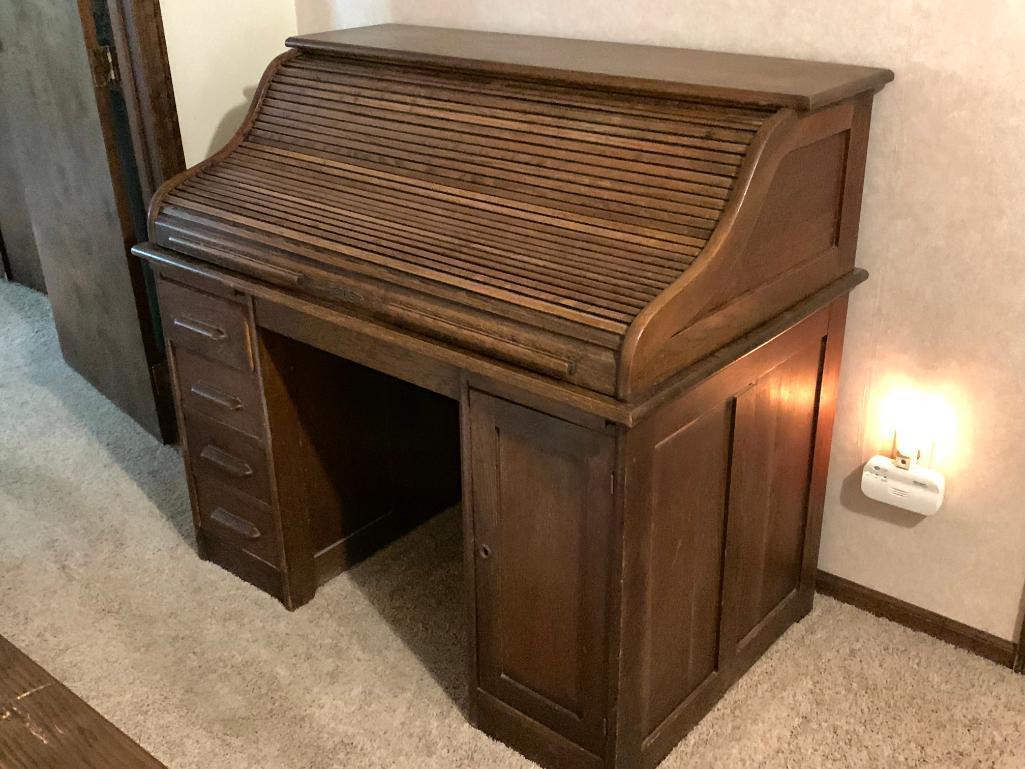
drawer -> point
(220, 453)
(225, 394)
(237, 519)
(209, 325)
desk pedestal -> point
(620, 575)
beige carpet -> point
(100, 584)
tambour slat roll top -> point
(535, 203)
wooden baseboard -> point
(957, 634)
(1019, 660)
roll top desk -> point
(595, 292)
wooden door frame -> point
(127, 52)
(145, 77)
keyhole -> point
(485, 551)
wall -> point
(320, 15)
(941, 235)
(217, 52)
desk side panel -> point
(794, 231)
(723, 508)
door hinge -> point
(612, 484)
(104, 66)
(605, 727)
(160, 376)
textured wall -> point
(217, 52)
(941, 235)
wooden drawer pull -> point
(217, 397)
(238, 525)
(232, 465)
(213, 333)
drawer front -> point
(225, 394)
(209, 325)
(227, 456)
(237, 519)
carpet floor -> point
(100, 584)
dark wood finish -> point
(69, 129)
(377, 456)
(611, 317)
(715, 528)
(703, 75)
(228, 457)
(739, 282)
(361, 183)
(437, 366)
(773, 439)
(543, 492)
(216, 391)
(205, 324)
(145, 79)
(297, 457)
(950, 631)
(43, 725)
(237, 519)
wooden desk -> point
(602, 305)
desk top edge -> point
(624, 412)
(684, 73)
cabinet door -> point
(542, 508)
(773, 439)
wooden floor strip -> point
(43, 725)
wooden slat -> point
(471, 179)
(651, 151)
(613, 103)
(577, 168)
(614, 262)
(400, 96)
(425, 250)
(234, 228)
(578, 205)
(400, 193)
(440, 270)
(399, 233)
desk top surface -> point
(738, 78)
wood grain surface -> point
(746, 79)
(43, 725)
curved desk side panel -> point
(791, 230)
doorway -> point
(81, 92)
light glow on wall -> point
(917, 422)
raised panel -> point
(801, 216)
(219, 392)
(209, 325)
(685, 550)
(771, 472)
(227, 456)
(542, 503)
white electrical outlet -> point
(917, 489)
